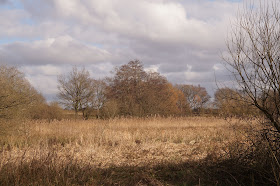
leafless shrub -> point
(254, 57)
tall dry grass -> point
(123, 141)
(149, 151)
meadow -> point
(126, 151)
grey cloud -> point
(204, 81)
(176, 78)
(44, 77)
(175, 57)
(62, 50)
(169, 35)
(40, 10)
(171, 67)
(3, 1)
(152, 20)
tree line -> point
(132, 91)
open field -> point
(152, 151)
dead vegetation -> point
(151, 151)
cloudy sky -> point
(181, 39)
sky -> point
(184, 40)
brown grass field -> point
(151, 151)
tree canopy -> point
(16, 93)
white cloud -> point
(160, 21)
(46, 70)
(44, 78)
(49, 36)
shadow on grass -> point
(53, 171)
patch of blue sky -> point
(8, 40)
(12, 4)
(229, 0)
(236, 1)
(97, 45)
(27, 21)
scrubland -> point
(129, 151)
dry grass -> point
(119, 142)
(152, 151)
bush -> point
(110, 109)
(16, 93)
(256, 160)
(49, 112)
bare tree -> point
(254, 57)
(196, 96)
(160, 96)
(229, 102)
(98, 98)
(139, 93)
(126, 87)
(75, 89)
(16, 93)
